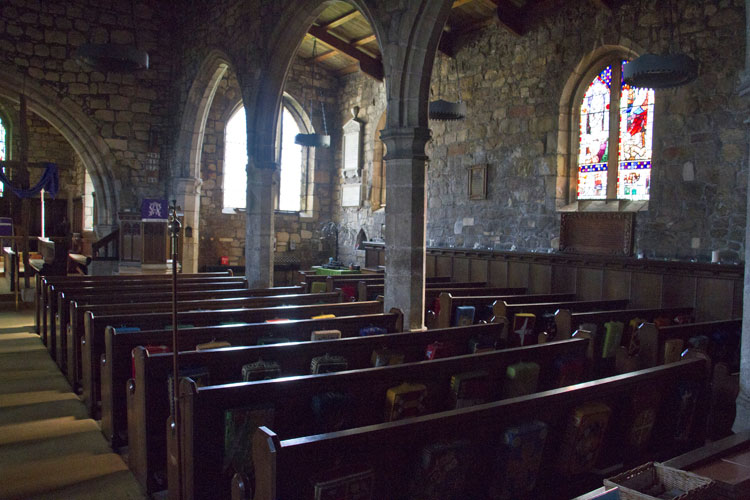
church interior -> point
(519, 225)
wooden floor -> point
(49, 448)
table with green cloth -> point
(322, 271)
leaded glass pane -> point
(593, 148)
(636, 134)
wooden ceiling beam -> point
(341, 20)
(363, 41)
(369, 65)
(327, 55)
(610, 5)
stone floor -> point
(49, 448)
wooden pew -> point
(303, 274)
(148, 398)
(651, 338)
(568, 322)
(202, 410)
(93, 342)
(73, 345)
(42, 282)
(70, 306)
(450, 301)
(53, 292)
(504, 309)
(369, 291)
(288, 466)
(314, 278)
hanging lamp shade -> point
(447, 111)
(660, 71)
(107, 57)
(313, 140)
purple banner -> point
(154, 209)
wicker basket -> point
(654, 479)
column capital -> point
(405, 143)
(187, 185)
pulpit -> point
(143, 240)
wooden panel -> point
(460, 269)
(738, 296)
(498, 273)
(678, 291)
(540, 278)
(616, 284)
(518, 274)
(563, 279)
(444, 266)
(589, 283)
(597, 233)
(715, 298)
(430, 262)
(478, 270)
(646, 290)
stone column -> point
(742, 420)
(187, 192)
(259, 230)
(405, 222)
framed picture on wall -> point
(478, 182)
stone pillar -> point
(259, 230)
(742, 420)
(187, 192)
(405, 222)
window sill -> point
(605, 206)
(232, 211)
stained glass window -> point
(594, 138)
(633, 133)
(636, 134)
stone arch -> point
(77, 128)
(189, 147)
(572, 93)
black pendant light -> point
(315, 140)
(662, 71)
(447, 110)
(119, 58)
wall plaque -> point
(351, 195)
(351, 147)
(597, 233)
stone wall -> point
(513, 88)
(128, 111)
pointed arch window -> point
(235, 160)
(3, 147)
(623, 172)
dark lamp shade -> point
(445, 110)
(313, 140)
(660, 71)
(107, 57)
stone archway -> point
(186, 181)
(80, 132)
(262, 93)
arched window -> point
(290, 177)
(606, 172)
(235, 160)
(3, 147)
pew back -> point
(450, 300)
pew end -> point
(265, 446)
(399, 318)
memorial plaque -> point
(597, 233)
(350, 195)
(351, 150)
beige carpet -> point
(49, 448)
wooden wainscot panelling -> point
(739, 292)
(460, 268)
(715, 298)
(616, 284)
(478, 269)
(678, 291)
(430, 264)
(597, 233)
(518, 274)
(589, 283)
(498, 273)
(540, 278)
(563, 279)
(444, 266)
(646, 291)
